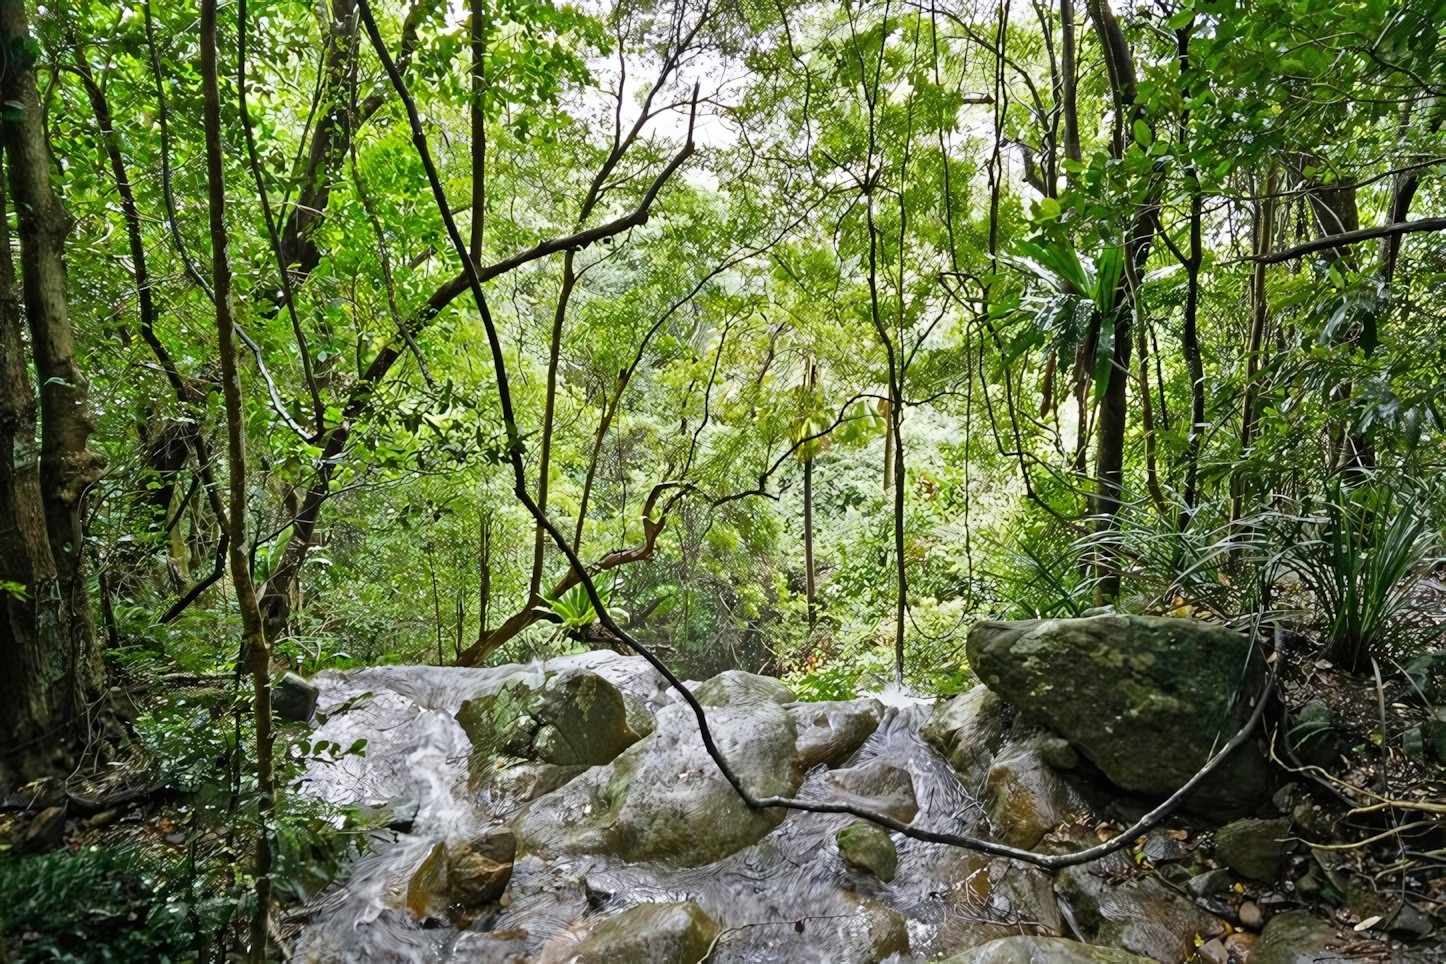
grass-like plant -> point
(1363, 554)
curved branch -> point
(1350, 237)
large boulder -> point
(570, 719)
(664, 797)
(1252, 848)
(1299, 937)
(1028, 949)
(967, 732)
(1147, 699)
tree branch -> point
(1350, 237)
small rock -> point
(1056, 751)
(294, 698)
(1250, 916)
(1213, 952)
(880, 786)
(175, 839)
(657, 933)
(46, 830)
(866, 846)
(1028, 949)
(427, 888)
(1251, 847)
(829, 732)
(1240, 944)
(1410, 923)
(1210, 882)
(102, 819)
(1162, 844)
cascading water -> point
(786, 898)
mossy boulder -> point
(867, 846)
(570, 719)
(1147, 699)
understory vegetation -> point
(818, 332)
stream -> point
(787, 897)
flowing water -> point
(787, 898)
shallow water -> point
(787, 898)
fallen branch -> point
(1049, 862)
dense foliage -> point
(830, 328)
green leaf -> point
(1143, 134)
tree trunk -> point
(27, 571)
(68, 467)
(256, 654)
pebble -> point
(1251, 916)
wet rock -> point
(657, 933)
(829, 732)
(44, 832)
(294, 698)
(878, 785)
(1251, 847)
(1298, 937)
(1162, 845)
(1213, 952)
(1023, 949)
(1147, 699)
(427, 887)
(478, 874)
(1025, 797)
(878, 931)
(867, 846)
(1240, 945)
(967, 731)
(515, 783)
(735, 686)
(664, 798)
(459, 881)
(1109, 905)
(1410, 923)
(575, 718)
(1250, 915)
(1210, 882)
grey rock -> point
(967, 731)
(829, 732)
(1147, 699)
(294, 698)
(1250, 915)
(1210, 882)
(678, 933)
(1251, 847)
(1213, 952)
(1024, 796)
(478, 874)
(575, 718)
(1024, 949)
(867, 846)
(664, 798)
(735, 686)
(1298, 937)
(1109, 906)
(1161, 845)
(879, 786)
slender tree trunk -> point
(549, 413)
(1194, 363)
(256, 653)
(1259, 312)
(888, 447)
(810, 589)
(479, 126)
(68, 467)
(1069, 71)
